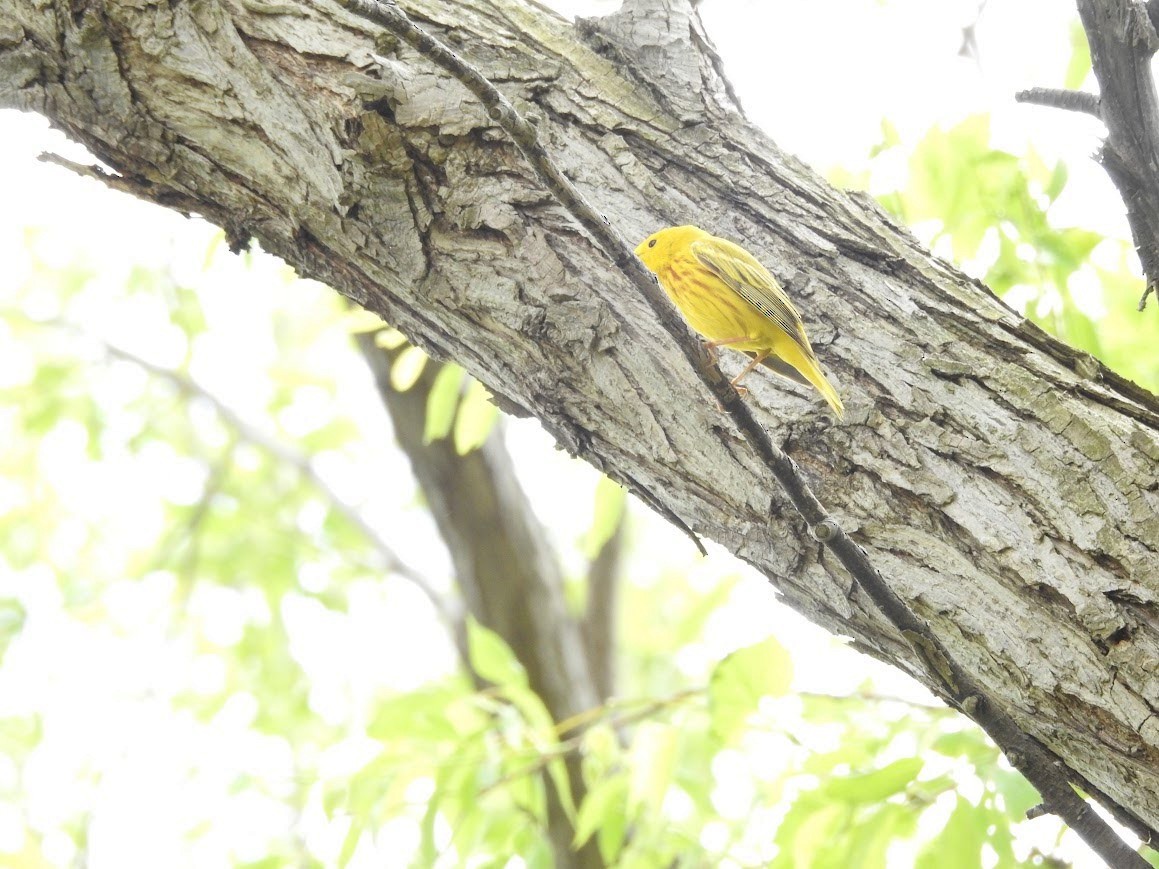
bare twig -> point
(1062, 98)
(97, 173)
(584, 719)
(875, 697)
(1147, 290)
(608, 714)
(1044, 769)
(621, 713)
(213, 485)
(288, 455)
(295, 458)
(133, 186)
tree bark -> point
(1005, 484)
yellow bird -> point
(727, 296)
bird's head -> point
(660, 247)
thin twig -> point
(1062, 98)
(86, 170)
(1147, 290)
(284, 453)
(875, 697)
(1041, 767)
(573, 743)
(616, 714)
(654, 704)
(295, 458)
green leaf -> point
(959, 845)
(561, 781)
(1131, 352)
(19, 735)
(969, 743)
(807, 828)
(1018, 795)
(477, 416)
(441, 402)
(187, 313)
(610, 500)
(1079, 65)
(1034, 168)
(531, 707)
(542, 733)
(12, 616)
(1058, 179)
(838, 176)
(651, 762)
(606, 805)
(1070, 248)
(416, 715)
(890, 138)
(350, 842)
(1009, 269)
(740, 681)
(956, 177)
(407, 368)
(873, 787)
(213, 246)
(895, 204)
(428, 850)
(870, 840)
(685, 613)
(491, 657)
(537, 853)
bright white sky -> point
(818, 76)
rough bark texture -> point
(1005, 484)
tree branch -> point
(1122, 37)
(1061, 98)
(1041, 767)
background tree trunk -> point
(506, 571)
(1005, 484)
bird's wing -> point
(745, 276)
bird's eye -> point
(651, 242)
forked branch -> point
(1123, 39)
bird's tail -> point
(793, 363)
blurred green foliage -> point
(991, 212)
